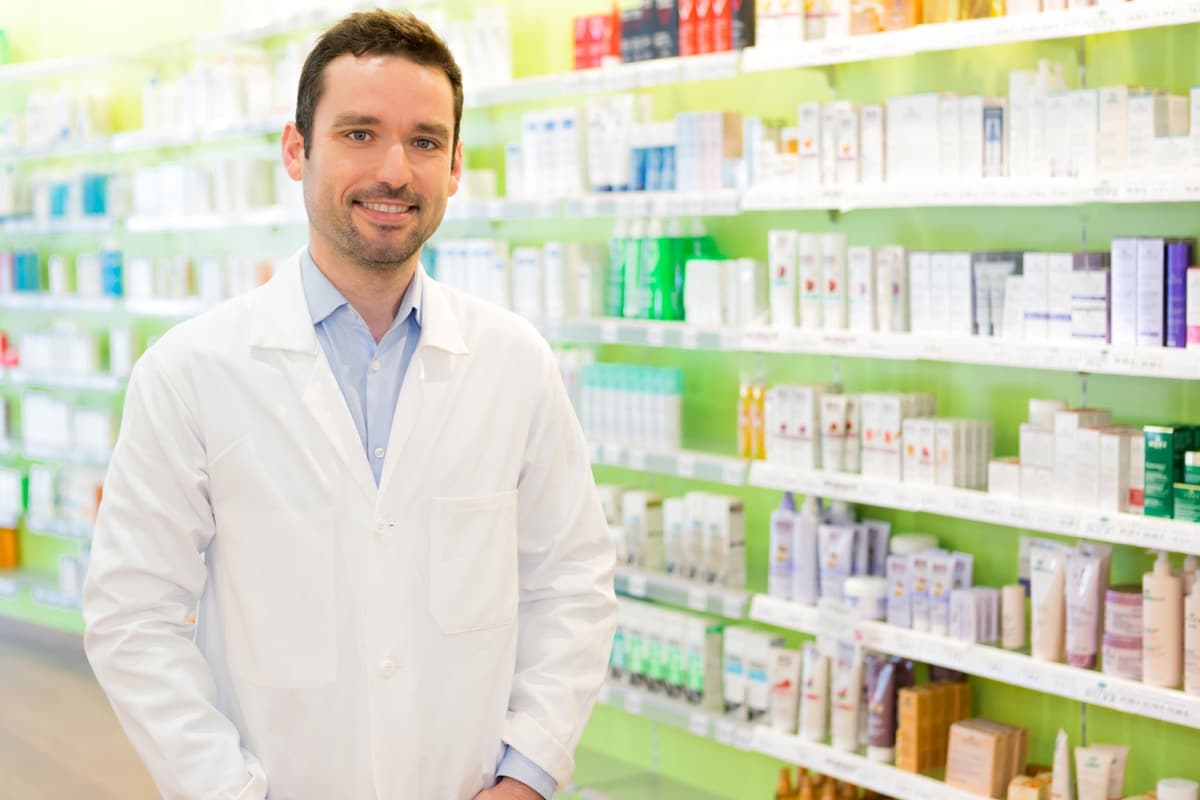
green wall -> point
(542, 44)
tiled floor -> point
(59, 740)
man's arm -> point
(145, 579)
(567, 609)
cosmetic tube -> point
(1060, 783)
(785, 688)
(881, 716)
(814, 700)
(1116, 772)
(1048, 575)
(941, 583)
(835, 545)
(1083, 609)
(847, 694)
(1013, 635)
(1091, 772)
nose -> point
(395, 169)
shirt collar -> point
(323, 297)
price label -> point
(608, 333)
(697, 598)
(724, 732)
(743, 737)
(729, 340)
(689, 338)
(735, 474)
(656, 335)
(636, 586)
(633, 703)
(685, 466)
(698, 724)
(612, 454)
(1019, 515)
(637, 460)
(733, 606)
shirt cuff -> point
(516, 766)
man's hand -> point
(508, 789)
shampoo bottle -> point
(1162, 626)
(614, 297)
(805, 563)
(783, 531)
(1191, 639)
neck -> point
(375, 294)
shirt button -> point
(379, 452)
(375, 365)
(380, 526)
(387, 669)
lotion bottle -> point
(1162, 625)
(1191, 639)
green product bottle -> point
(633, 270)
(614, 293)
(655, 254)
(672, 278)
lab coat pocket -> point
(274, 579)
(473, 562)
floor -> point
(59, 740)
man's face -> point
(381, 161)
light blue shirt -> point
(370, 375)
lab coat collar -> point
(282, 319)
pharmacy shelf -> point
(973, 33)
(672, 589)
(1006, 666)
(11, 583)
(45, 301)
(44, 69)
(995, 192)
(679, 463)
(616, 78)
(59, 528)
(1127, 529)
(64, 149)
(99, 383)
(1160, 362)
(67, 455)
(25, 226)
(137, 141)
(678, 714)
(48, 596)
(168, 307)
(720, 203)
(187, 223)
(851, 768)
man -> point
(370, 489)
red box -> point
(687, 27)
(704, 26)
(581, 43)
(722, 24)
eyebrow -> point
(351, 119)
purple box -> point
(1179, 258)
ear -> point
(292, 146)
(456, 168)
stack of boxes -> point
(926, 716)
(667, 652)
(984, 756)
(1172, 488)
(657, 29)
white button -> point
(375, 365)
(387, 669)
(380, 526)
(379, 452)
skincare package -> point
(677, 655)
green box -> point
(1191, 463)
(1165, 446)
(1187, 502)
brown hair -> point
(375, 33)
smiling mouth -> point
(386, 210)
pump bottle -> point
(1162, 626)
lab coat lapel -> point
(432, 376)
(281, 322)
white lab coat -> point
(352, 642)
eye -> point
(359, 136)
(425, 144)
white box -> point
(806, 402)
(833, 274)
(783, 250)
(961, 294)
(1059, 269)
(891, 283)
(1036, 287)
(949, 440)
(1090, 305)
(1058, 129)
(949, 138)
(833, 432)
(1137, 474)
(1148, 119)
(970, 131)
(1037, 484)
(920, 444)
(1113, 137)
(861, 285)
(811, 283)
(1087, 467)
(940, 265)
(1151, 292)
(1113, 484)
(829, 116)
(1178, 111)
(847, 144)
(873, 132)
(1036, 446)
(1012, 327)
(1124, 292)
(1066, 427)
(808, 131)
(1083, 153)
(1004, 477)
(891, 435)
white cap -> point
(1178, 789)
(908, 543)
(883, 755)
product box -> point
(1137, 474)
(847, 144)
(1115, 454)
(940, 266)
(949, 138)
(829, 114)
(1151, 292)
(1124, 292)
(920, 445)
(1086, 492)
(1113, 139)
(833, 276)
(1067, 424)
(861, 287)
(686, 15)
(1187, 502)
(1036, 446)
(1165, 447)
(642, 514)
(1193, 307)
(872, 134)
(1037, 484)
(705, 27)
(919, 288)
(1179, 258)
(809, 137)
(1004, 477)
(1059, 271)
(636, 39)
(960, 294)
(1149, 118)
(1090, 305)
(995, 136)
(664, 28)
(1036, 284)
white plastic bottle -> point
(1191, 638)
(1162, 626)
(805, 564)
(783, 531)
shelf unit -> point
(27, 226)
(188, 223)
(71, 530)
(66, 455)
(672, 589)
(99, 383)
(164, 307)
(1006, 666)
(1126, 529)
(15, 583)
(821, 758)
(1159, 362)
(679, 463)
